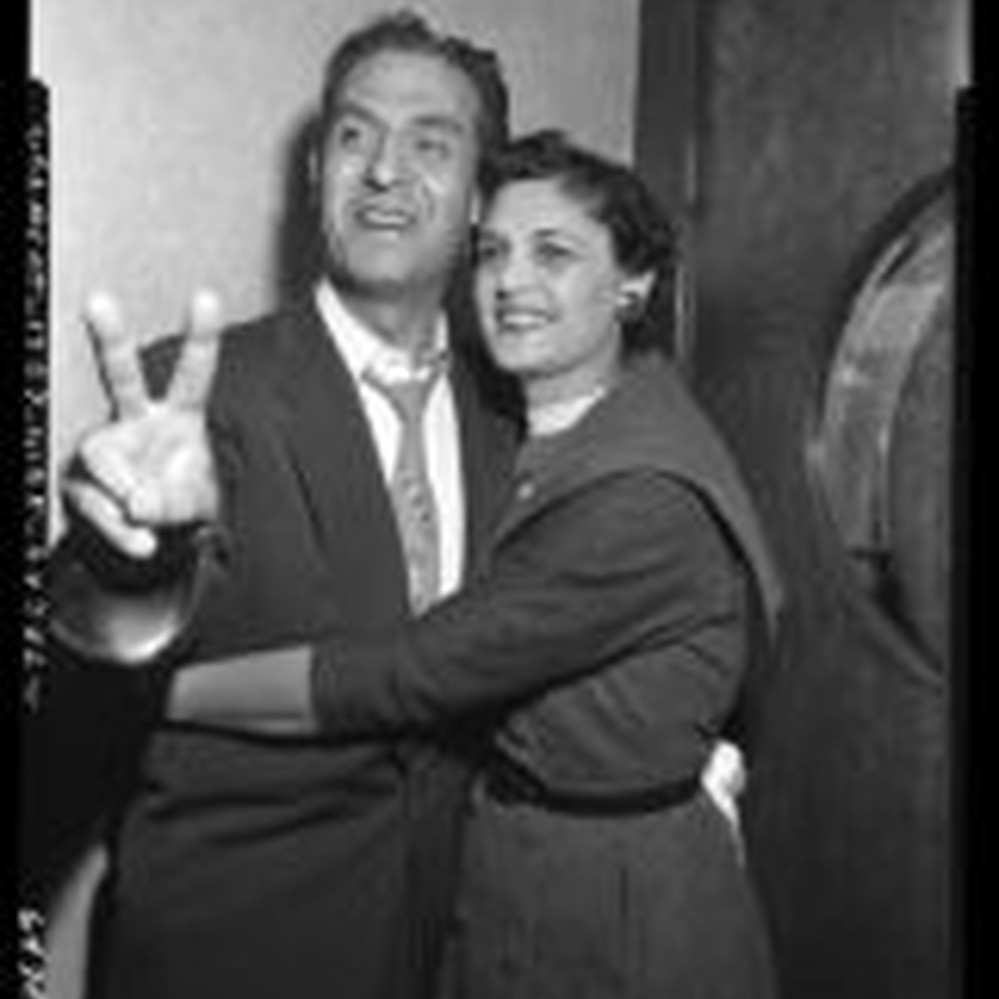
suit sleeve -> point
(634, 558)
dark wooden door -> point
(795, 142)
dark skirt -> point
(653, 906)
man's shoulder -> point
(266, 332)
(265, 355)
(249, 348)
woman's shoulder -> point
(649, 421)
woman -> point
(607, 637)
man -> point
(246, 866)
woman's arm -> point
(566, 595)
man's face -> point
(397, 175)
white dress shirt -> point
(362, 349)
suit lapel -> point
(330, 443)
(488, 447)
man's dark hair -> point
(641, 233)
(406, 31)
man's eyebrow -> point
(556, 233)
(431, 120)
(352, 109)
(442, 123)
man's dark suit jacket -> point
(257, 869)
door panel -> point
(812, 123)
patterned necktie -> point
(412, 496)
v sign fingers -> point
(192, 378)
(117, 355)
(103, 512)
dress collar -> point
(555, 417)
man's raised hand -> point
(151, 465)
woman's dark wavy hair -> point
(642, 235)
(406, 31)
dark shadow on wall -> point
(812, 120)
(297, 247)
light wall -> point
(170, 131)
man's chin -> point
(385, 285)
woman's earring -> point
(629, 307)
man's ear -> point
(313, 169)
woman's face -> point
(548, 289)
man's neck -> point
(408, 324)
